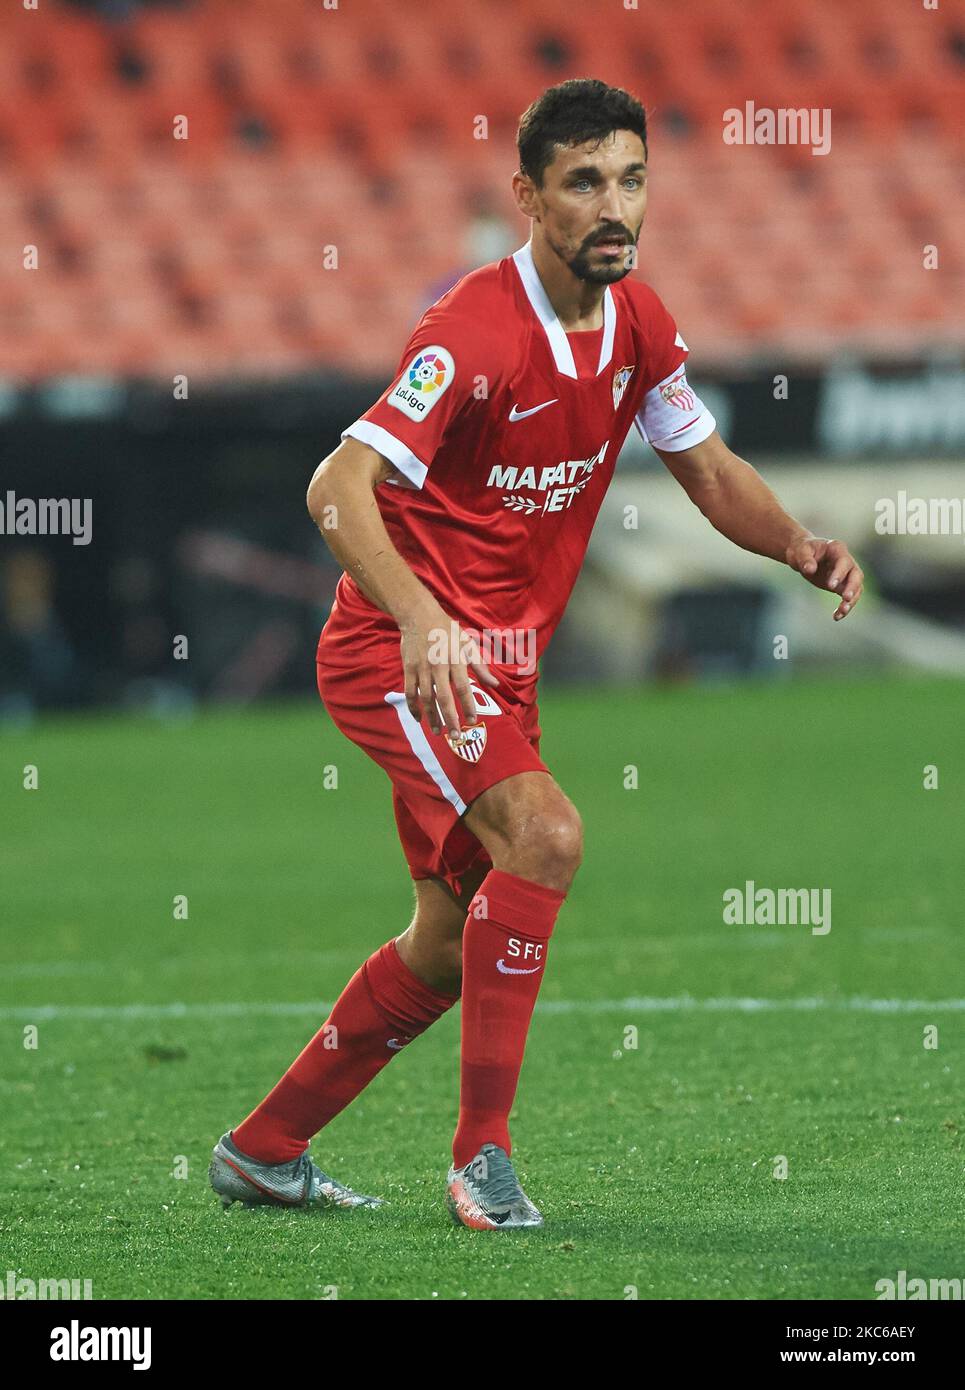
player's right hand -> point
(437, 657)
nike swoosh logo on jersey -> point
(511, 970)
(515, 414)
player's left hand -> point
(828, 565)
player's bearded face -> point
(594, 199)
(604, 256)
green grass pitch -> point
(654, 1165)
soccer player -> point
(460, 506)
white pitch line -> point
(684, 1003)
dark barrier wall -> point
(198, 527)
(198, 531)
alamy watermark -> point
(919, 516)
(496, 646)
(782, 125)
(15, 1287)
(751, 906)
(902, 1288)
(46, 516)
(77, 1343)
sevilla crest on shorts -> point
(468, 744)
(621, 379)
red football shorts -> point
(361, 683)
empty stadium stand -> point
(330, 167)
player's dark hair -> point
(584, 108)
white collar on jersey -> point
(555, 332)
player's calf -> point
(432, 945)
(534, 837)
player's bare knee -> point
(530, 828)
(546, 846)
(555, 838)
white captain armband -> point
(672, 416)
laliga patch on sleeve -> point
(424, 381)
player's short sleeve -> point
(438, 377)
(671, 415)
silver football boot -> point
(486, 1195)
(236, 1177)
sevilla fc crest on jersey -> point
(467, 744)
(620, 380)
(678, 393)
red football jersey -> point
(506, 430)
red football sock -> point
(503, 955)
(383, 1007)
